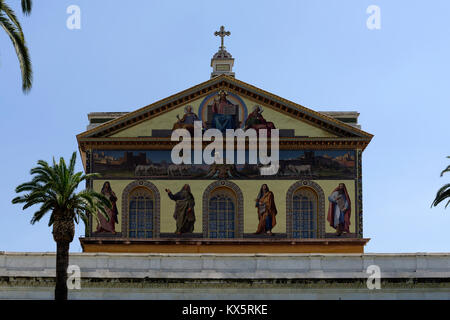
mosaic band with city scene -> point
(157, 164)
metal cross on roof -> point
(222, 33)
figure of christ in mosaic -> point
(104, 225)
(224, 113)
(267, 210)
(184, 213)
(255, 120)
(339, 210)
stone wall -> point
(229, 276)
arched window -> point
(223, 211)
(222, 220)
(141, 210)
(304, 214)
(141, 214)
(305, 210)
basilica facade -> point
(311, 203)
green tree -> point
(12, 27)
(444, 192)
(54, 189)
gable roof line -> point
(303, 109)
(211, 82)
(147, 108)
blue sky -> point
(316, 53)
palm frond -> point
(72, 162)
(90, 176)
(33, 200)
(445, 170)
(46, 207)
(21, 51)
(444, 192)
(85, 219)
(19, 199)
(54, 188)
(12, 16)
(441, 195)
(27, 6)
(51, 220)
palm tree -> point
(11, 25)
(444, 192)
(54, 188)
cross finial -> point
(222, 33)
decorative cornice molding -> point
(225, 82)
(165, 143)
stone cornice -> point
(229, 83)
(231, 266)
(165, 143)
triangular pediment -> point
(293, 120)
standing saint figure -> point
(339, 210)
(267, 210)
(104, 225)
(184, 209)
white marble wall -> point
(217, 272)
